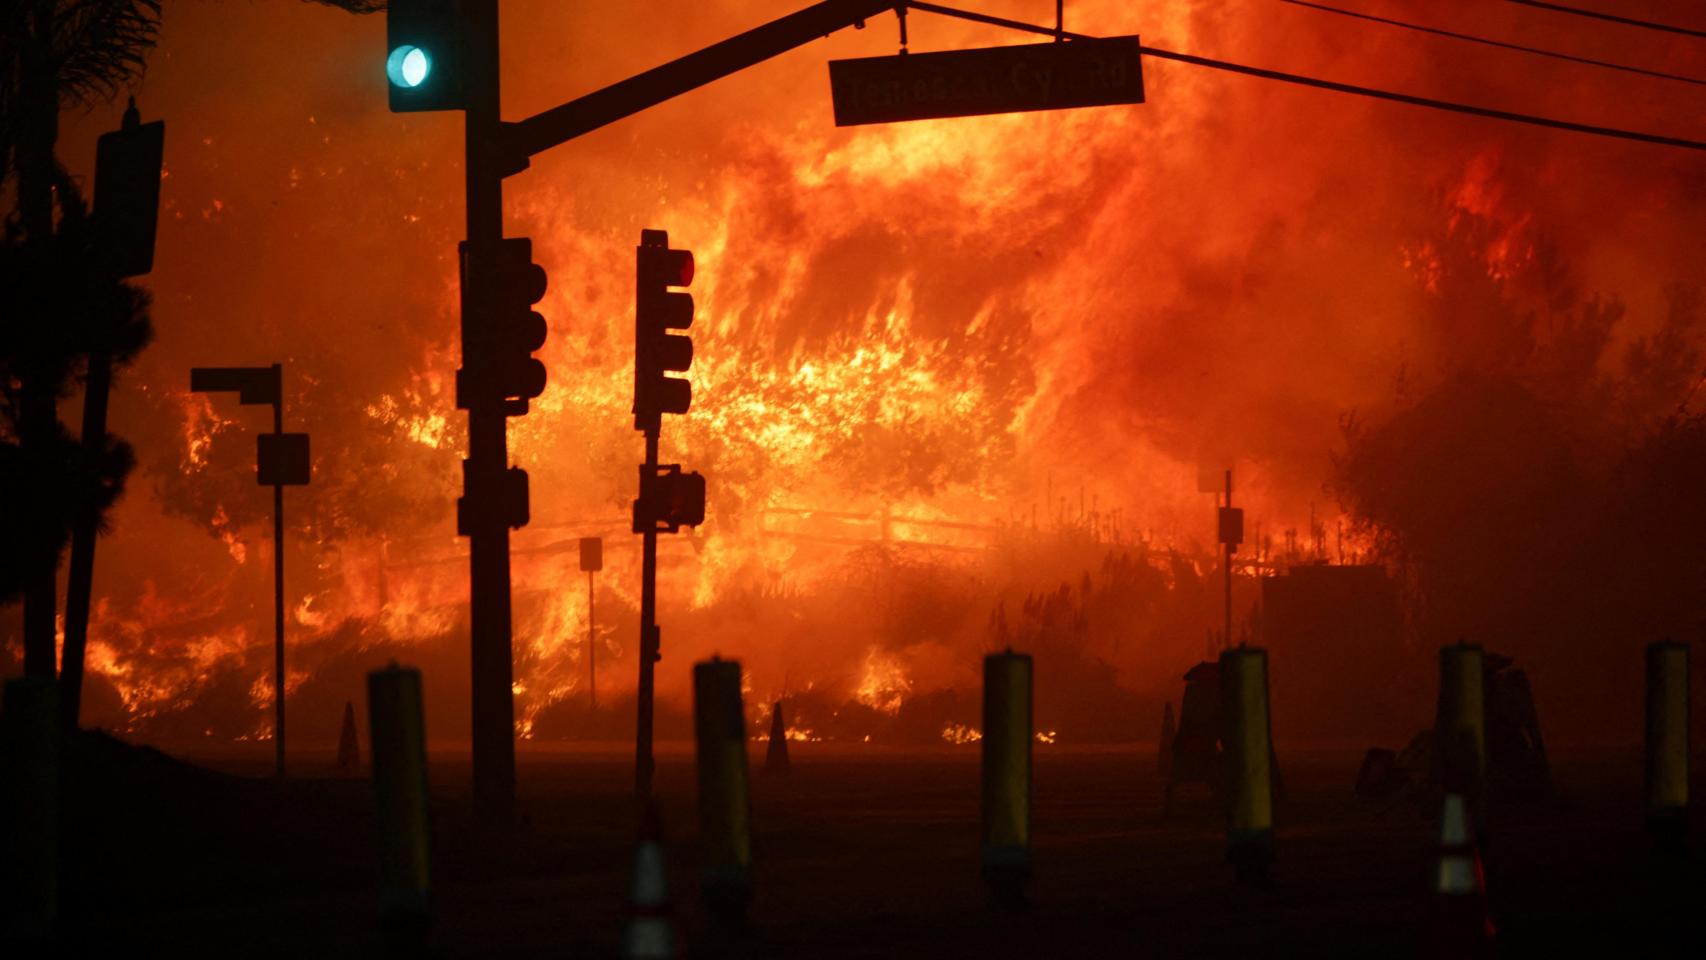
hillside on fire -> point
(944, 370)
(851, 477)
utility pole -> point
(490, 669)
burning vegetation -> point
(954, 381)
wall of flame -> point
(999, 323)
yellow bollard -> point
(1007, 774)
(397, 741)
(1667, 742)
(725, 811)
(30, 744)
(1247, 742)
(1460, 725)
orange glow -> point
(884, 684)
(957, 733)
(939, 366)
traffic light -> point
(423, 55)
(658, 310)
(127, 191)
(503, 330)
(506, 500)
(669, 499)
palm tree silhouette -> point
(66, 315)
(54, 54)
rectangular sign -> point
(965, 83)
(1232, 526)
(252, 384)
(281, 459)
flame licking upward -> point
(884, 684)
(970, 322)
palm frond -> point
(101, 45)
(355, 6)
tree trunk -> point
(81, 580)
(38, 417)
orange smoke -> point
(914, 342)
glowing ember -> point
(958, 733)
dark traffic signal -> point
(502, 498)
(669, 499)
(658, 310)
(127, 192)
(498, 342)
(423, 55)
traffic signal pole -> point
(278, 597)
(429, 71)
(668, 499)
(650, 636)
(628, 97)
(490, 669)
(281, 460)
(1230, 546)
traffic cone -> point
(1169, 733)
(1462, 927)
(776, 758)
(349, 748)
(650, 931)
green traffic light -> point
(408, 66)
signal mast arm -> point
(563, 123)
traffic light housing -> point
(424, 55)
(658, 310)
(127, 192)
(669, 499)
(483, 501)
(502, 332)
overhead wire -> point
(1471, 38)
(1612, 17)
(1334, 85)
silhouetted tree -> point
(65, 313)
(53, 54)
(1477, 494)
(111, 320)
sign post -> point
(281, 460)
(592, 561)
(1231, 535)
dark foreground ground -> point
(860, 853)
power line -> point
(1446, 105)
(1629, 21)
(1334, 85)
(1494, 43)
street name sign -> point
(966, 83)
